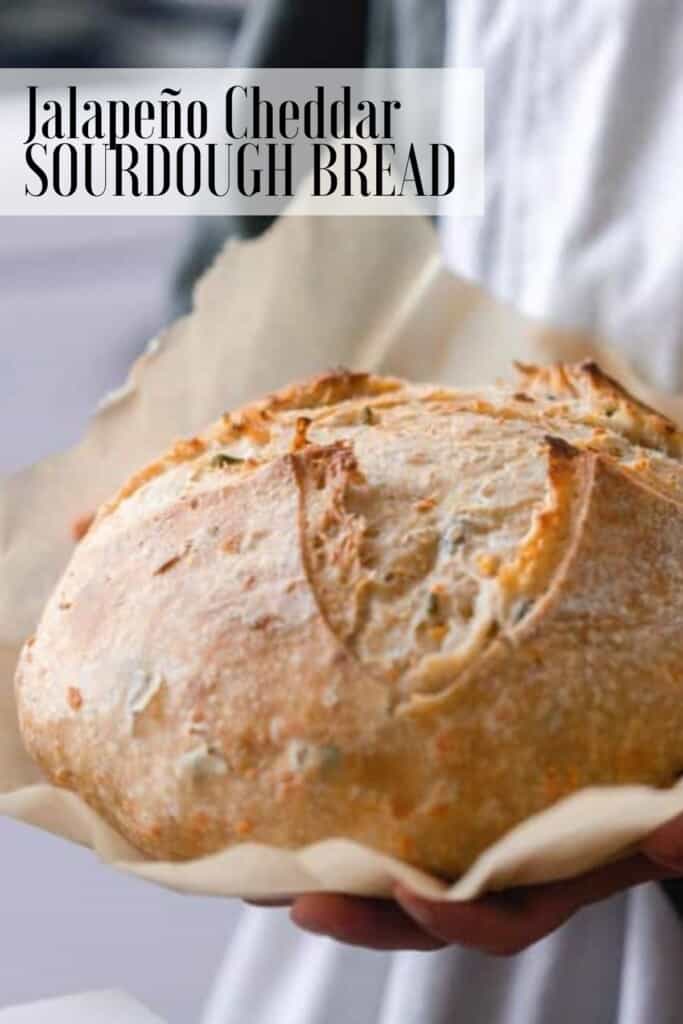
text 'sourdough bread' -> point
(402, 614)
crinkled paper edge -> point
(594, 826)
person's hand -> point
(501, 924)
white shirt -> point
(583, 226)
(584, 214)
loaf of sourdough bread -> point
(402, 614)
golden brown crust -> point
(252, 420)
(408, 615)
(605, 397)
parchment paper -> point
(368, 293)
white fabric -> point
(584, 221)
(584, 226)
(614, 963)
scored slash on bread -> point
(398, 613)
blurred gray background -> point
(79, 297)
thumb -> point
(665, 845)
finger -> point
(665, 845)
(505, 923)
(375, 924)
(269, 903)
(605, 881)
(501, 924)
